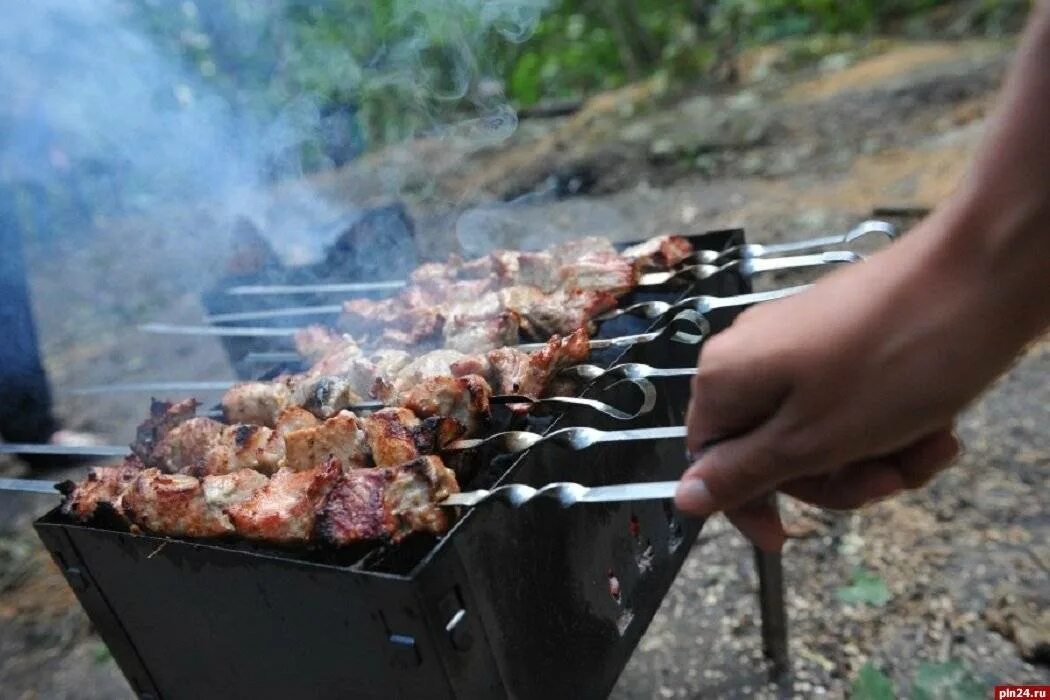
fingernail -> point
(693, 497)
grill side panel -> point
(212, 622)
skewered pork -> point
(201, 446)
(438, 383)
(285, 509)
(661, 252)
(368, 504)
(326, 503)
(183, 505)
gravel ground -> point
(965, 561)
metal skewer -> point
(701, 304)
(148, 387)
(686, 327)
(328, 310)
(515, 495)
(333, 288)
(576, 438)
(748, 267)
(627, 370)
(29, 448)
(701, 257)
(596, 343)
(758, 250)
(29, 486)
(565, 493)
(261, 358)
(646, 388)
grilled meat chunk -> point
(103, 487)
(163, 417)
(315, 341)
(559, 313)
(570, 251)
(341, 437)
(464, 399)
(183, 505)
(388, 503)
(257, 402)
(397, 435)
(355, 509)
(202, 446)
(481, 325)
(517, 372)
(327, 502)
(609, 274)
(661, 252)
(436, 363)
(186, 446)
(284, 510)
(410, 324)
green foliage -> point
(946, 681)
(866, 588)
(402, 67)
(872, 684)
(933, 681)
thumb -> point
(731, 473)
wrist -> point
(991, 266)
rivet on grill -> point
(406, 653)
(459, 631)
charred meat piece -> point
(661, 252)
(163, 417)
(611, 275)
(341, 437)
(256, 402)
(480, 325)
(415, 323)
(355, 509)
(570, 251)
(103, 487)
(183, 505)
(242, 446)
(327, 394)
(436, 363)
(416, 490)
(517, 372)
(294, 418)
(316, 341)
(436, 294)
(390, 503)
(394, 436)
(464, 399)
(203, 446)
(285, 509)
(185, 447)
(560, 313)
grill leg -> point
(774, 613)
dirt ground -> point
(788, 155)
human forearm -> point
(998, 222)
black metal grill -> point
(534, 602)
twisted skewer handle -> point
(565, 493)
(576, 438)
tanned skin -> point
(847, 393)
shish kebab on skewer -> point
(216, 490)
(207, 448)
(659, 252)
(343, 374)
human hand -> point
(845, 393)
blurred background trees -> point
(380, 70)
(308, 85)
